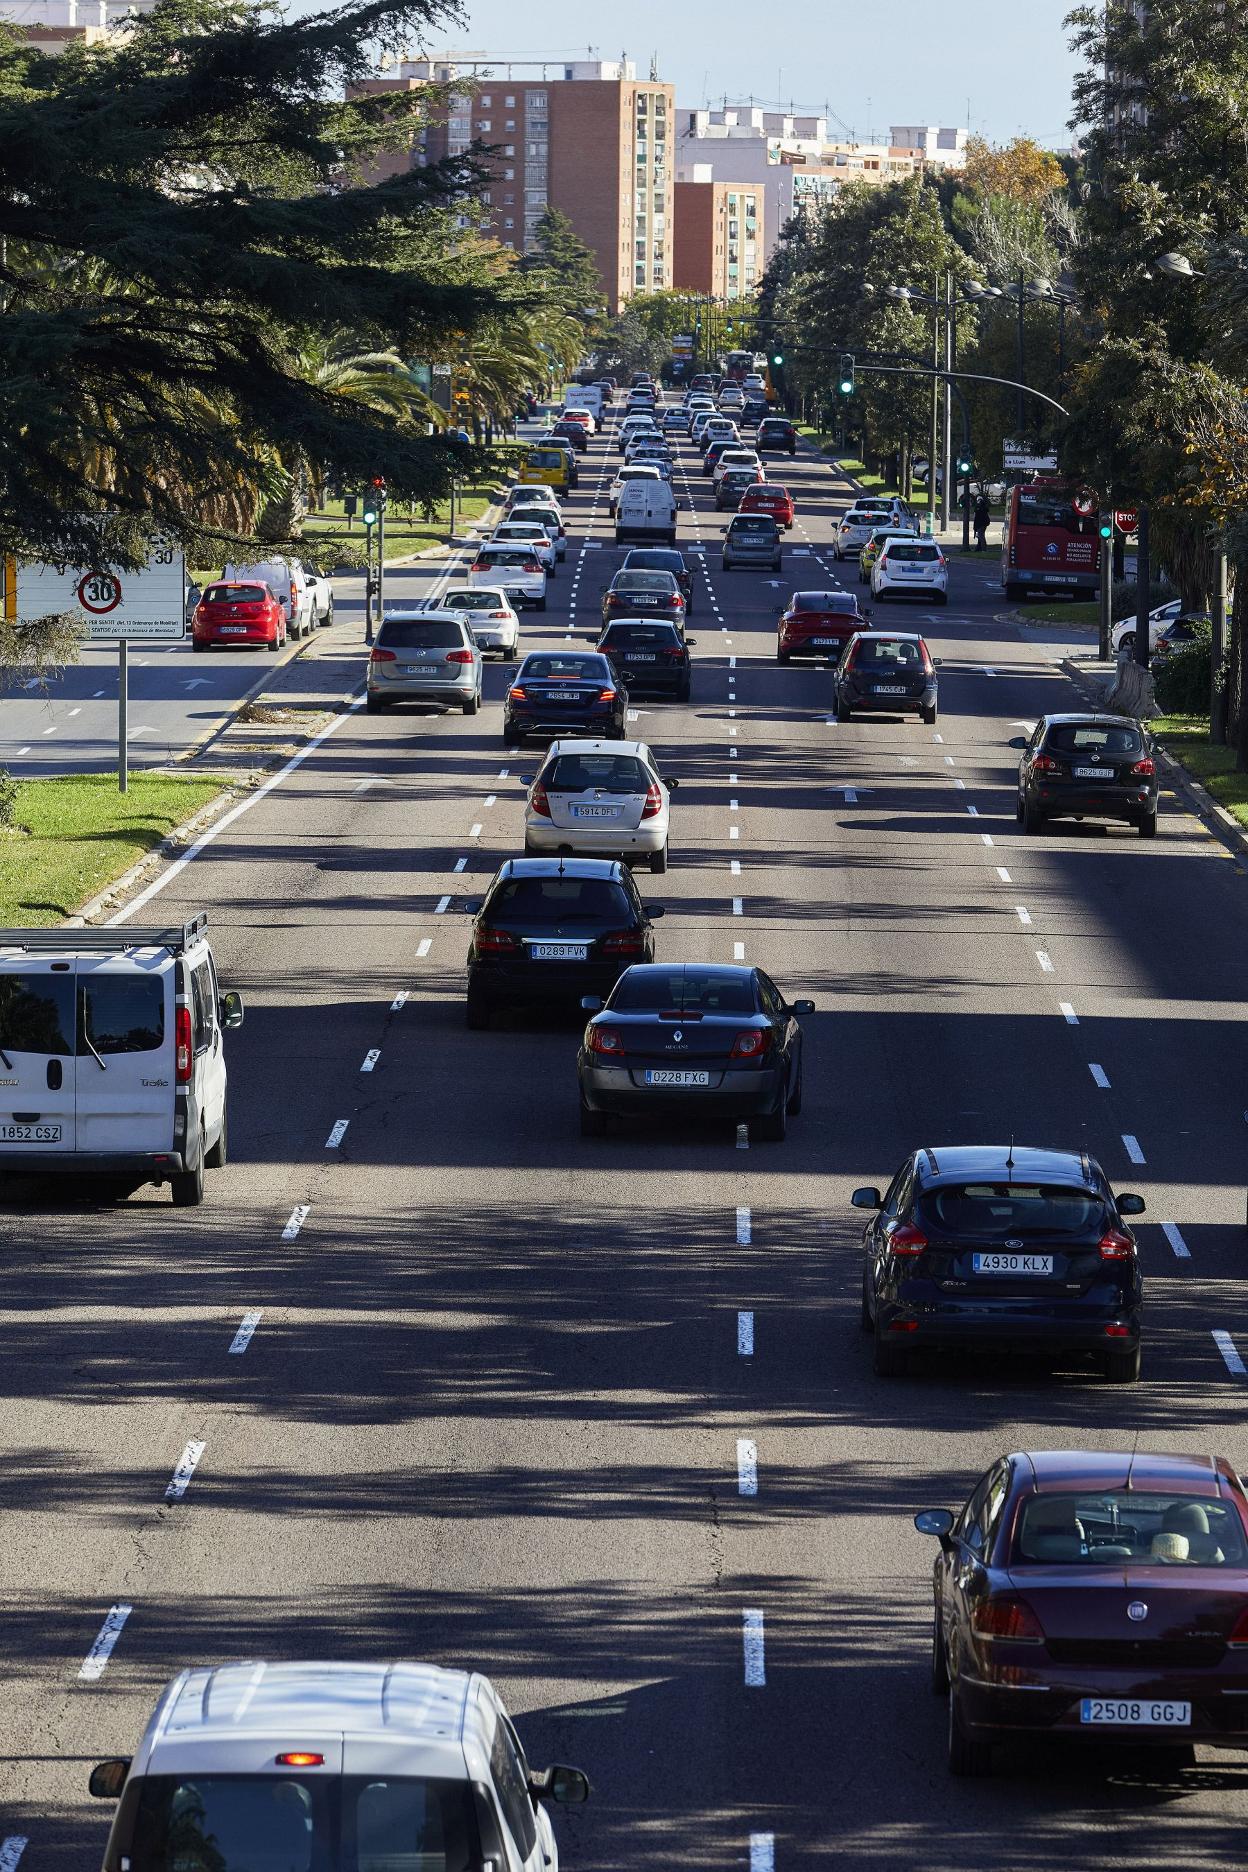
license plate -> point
(1093, 773)
(824, 643)
(664, 1078)
(1012, 1263)
(646, 601)
(1141, 1712)
(233, 630)
(595, 812)
(890, 688)
(414, 669)
(563, 695)
(639, 656)
(30, 1134)
(558, 952)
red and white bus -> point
(1051, 540)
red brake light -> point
(531, 565)
(1239, 1631)
(752, 1044)
(459, 656)
(624, 942)
(183, 1056)
(489, 941)
(905, 1239)
(516, 694)
(1143, 769)
(299, 1759)
(1008, 1618)
(1115, 1246)
(654, 798)
(606, 695)
(382, 656)
(1044, 763)
(538, 800)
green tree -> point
(568, 265)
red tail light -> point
(479, 565)
(654, 801)
(1007, 1618)
(382, 656)
(1115, 1246)
(489, 941)
(605, 1040)
(624, 942)
(1044, 763)
(531, 565)
(1239, 1631)
(905, 1239)
(606, 695)
(299, 1758)
(183, 1056)
(516, 694)
(459, 656)
(1143, 769)
(752, 1044)
(675, 654)
(538, 800)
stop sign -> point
(1126, 521)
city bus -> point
(737, 364)
(1051, 539)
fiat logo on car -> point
(1137, 1610)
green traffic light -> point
(370, 514)
(778, 358)
(1107, 531)
(847, 386)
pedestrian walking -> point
(982, 521)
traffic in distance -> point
(1082, 1595)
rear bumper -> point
(388, 690)
(1047, 1702)
(1013, 579)
(236, 640)
(1128, 803)
(1010, 1325)
(589, 839)
(517, 984)
(601, 725)
(151, 1165)
(738, 1095)
(891, 704)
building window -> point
(485, 102)
(510, 244)
(660, 104)
(643, 104)
(509, 103)
(639, 275)
(538, 149)
(732, 204)
(483, 123)
(535, 100)
(510, 124)
(509, 175)
(508, 200)
(509, 149)
(510, 221)
(639, 250)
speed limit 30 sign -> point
(147, 605)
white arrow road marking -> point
(197, 682)
(851, 793)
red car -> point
(767, 498)
(819, 624)
(1094, 1597)
(236, 613)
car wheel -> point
(889, 1359)
(509, 739)
(593, 1123)
(1018, 810)
(783, 656)
(187, 1186)
(794, 1107)
(969, 1758)
(273, 648)
(1127, 642)
(476, 1012)
(1033, 818)
(374, 705)
(1148, 825)
(940, 1663)
(658, 861)
(683, 693)
(773, 1126)
(541, 604)
(328, 618)
(219, 1153)
(928, 716)
(1123, 1367)
(470, 707)
(843, 712)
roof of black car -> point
(1082, 717)
(1002, 1163)
(561, 867)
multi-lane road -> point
(597, 1415)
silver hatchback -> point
(424, 656)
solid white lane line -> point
(337, 1134)
(738, 952)
(1176, 1241)
(743, 1137)
(1132, 1147)
(461, 864)
(424, 946)
(188, 1462)
(747, 1467)
(440, 907)
(94, 1663)
(475, 832)
(247, 1326)
(370, 1059)
(1004, 875)
(298, 1216)
(1226, 1346)
(1099, 1075)
(745, 1335)
(737, 906)
(399, 999)
(752, 1641)
(1068, 1014)
(744, 1230)
(1045, 961)
(734, 832)
(1023, 915)
(762, 1852)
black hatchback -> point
(776, 434)
(1004, 1247)
(561, 692)
(651, 658)
(1087, 767)
(552, 930)
(662, 559)
(886, 673)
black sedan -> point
(1011, 1248)
(649, 657)
(886, 673)
(563, 692)
(1087, 767)
(652, 594)
(662, 559)
(696, 1038)
(552, 930)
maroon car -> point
(819, 624)
(1094, 1597)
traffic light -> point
(374, 501)
(777, 357)
(1107, 529)
(847, 373)
(965, 465)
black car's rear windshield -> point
(706, 990)
(617, 634)
(565, 669)
(416, 634)
(887, 653)
(992, 1211)
(610, 773)
(1118, 1525)
(655, 562)
(762, 527)
(1095, 738)
(559, 899)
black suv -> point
(1087, 767)
(777, 434)
(1013, 1248)
(651, 657)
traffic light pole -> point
(368, 583)
(381, 561)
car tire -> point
(374, 706)
(471, 707)
(476, 1012)
(1147, 826)
(969, 1758)
(865, 1321)
(773, 1126)
(1033, 818)
(219, 1153)
(540, 605)
(593, 1123)
(783, 656)
(889, 1360)
(328, 618)
(928, 717)
(843, 712)
(683, 693)
(939, 1677)
(187, 1186)
(272, 648)
(1123, 1367)
(1126, 642)
(658, 861)
(197, 647)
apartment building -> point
(720, 236)
(51, 25)
(589, 138)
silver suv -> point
(424, 656)
(313, 1767)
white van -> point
(645, 510)
(588, 397)
(111, 1055)
(289, 583)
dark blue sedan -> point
(559, 692)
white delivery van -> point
(645, 510)
(289, 584)
(587, 396)
(112, 1060)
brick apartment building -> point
(720, 238)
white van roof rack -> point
(173, 937)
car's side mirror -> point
(525, 779)
(591, 1004)
(468, 905)
(1018, 740)
(868, 1197)
(672, 785)
(692, 642)
(1129, 1204)
(654, 911)
(803, 1007)
(938, 662)
(937, 1521)
(107, 1778)
(230, 1008)
(566, 1786)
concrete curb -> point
(1223, 825)
(171, 846)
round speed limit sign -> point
(1085, 503)
(99, 593)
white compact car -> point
(537, 513)
(853, 532)
(517, 569)
(270, 1765)
(1122, 636)
(528, 533)
(734, 458)
(599, 799)
(532, 494)
(487, 611)
(911, 565)
(637, 471)
(112, 1043)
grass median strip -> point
(1186, 738)
(70, 837)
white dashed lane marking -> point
(95, 1663)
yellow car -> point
(870, 552)
(551, 467)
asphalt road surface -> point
(504, 1387)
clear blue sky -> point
(873, 64)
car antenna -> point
(1009, 1161)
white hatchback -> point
(489, 615)
(853, 532)
(596, 799)
(518, 570)
(911, 565)
(529, 533)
